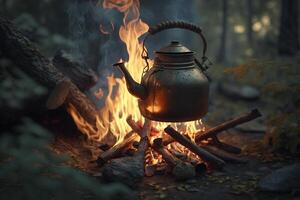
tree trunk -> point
(249, 16)
(288, 43)
(29, 59)
(222, 51)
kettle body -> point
(175, 88)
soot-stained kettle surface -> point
(175, 88)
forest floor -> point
(235, 181)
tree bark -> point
(288, 43)
(222, 51)
(28, 58)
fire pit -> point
(139, 147)
(152, 147)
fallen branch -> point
(227, 125)
(203, 154)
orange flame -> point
(119, 103)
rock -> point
(234, 91)
(184, 171)
(127, 170)
(284, 179)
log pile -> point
(210, 151)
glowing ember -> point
(119, 103)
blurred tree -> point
(249, 17)
(288, 43)
(222, 51)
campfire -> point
(136, 146)
(182, 149)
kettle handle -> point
(183, 25)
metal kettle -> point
(175, 89)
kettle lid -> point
(174, 47)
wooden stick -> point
(180, 170)
(224, 146)
(129, 170)
(134, 126)
(227, 125)
(203, 154)
(143, 146)
(28, 58)
(223, 154)
(166, 154)
(116, 150)
(137, 127)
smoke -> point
(85, 17)
(91, 47)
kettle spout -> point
(133, 87)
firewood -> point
(28, 58)
(82, 76)
(181, 170)
(133, 125)
(137, 127)
(59, 94)
(227, 125)
(129, 170)
(203, 154)
(223, 154)
(167, 156)
(224, 146)
(117, 150)
(143, 146)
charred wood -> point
(203, 154)
(181, 170)
(117, 150)
(227, 125)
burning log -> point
(227, 125)
(143, 146)
(25, 55)
(116, 150)
(129, 170)
(203, 154)
(135, 127)
(181, 170)
(167, 156)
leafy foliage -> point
(29, 170)
(280, 85)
